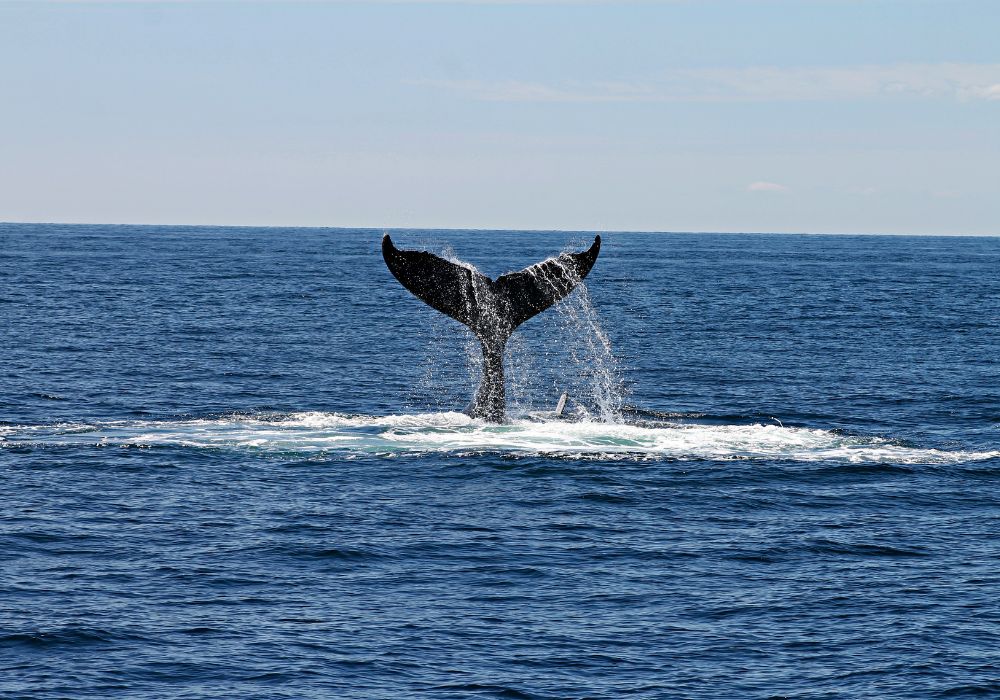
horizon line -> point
(508, 230)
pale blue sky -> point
(872, 116)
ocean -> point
(233, 464)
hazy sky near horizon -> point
(875, 116)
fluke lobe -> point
(491, 308)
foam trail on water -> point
(349, 436)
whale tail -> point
(492, 309)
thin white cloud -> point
(953, 81)
(862, 191)
(987, 92)
(763, 186)
(526, 91)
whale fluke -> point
(492, 309)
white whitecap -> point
(355, 435)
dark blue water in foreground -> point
(230, 467)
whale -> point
(491, 309)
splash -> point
(598, 382)
(564, 349)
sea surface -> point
(233, 465)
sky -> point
(836, 116)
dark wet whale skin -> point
(492, 309)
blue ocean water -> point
(231, 466)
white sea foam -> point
(354, 435)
